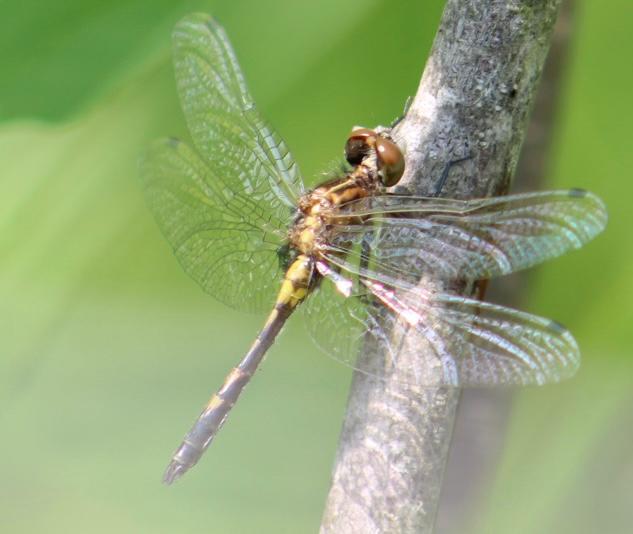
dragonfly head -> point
(364, 143)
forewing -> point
(456, 239)
(224, 240)
(247, 155)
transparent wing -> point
(336, 324)
(247, 155)
(225, 240)
(406, 237)
(429, 338)
(473, 343)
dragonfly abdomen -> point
(297, 282)
(293, 290)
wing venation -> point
(473, 239)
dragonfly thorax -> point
(316, 207)
(377, 163)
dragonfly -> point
(364, 264)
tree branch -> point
(483, 414)
(474, 97)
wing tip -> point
(599, 208)
(197, 17)
(600, 212)
(571, 361)
(198, 21)
(594, 212)
(559, 328)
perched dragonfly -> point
(243, 226)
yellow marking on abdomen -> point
(237, 378)
(295, 285)
(214, 402)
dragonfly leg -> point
(442, 181)
(365, 247)
(398, 120)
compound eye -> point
(358, 145)
(390, 161)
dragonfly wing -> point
(246, 154)
(427, 338)
(498, 345)
(227, 241)
(336, 324)
(472, 343)
(472, 239)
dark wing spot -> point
(577, 193)
(557, 327)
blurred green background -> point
(108, 350)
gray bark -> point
(474, 97)
(483, 414)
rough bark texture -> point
(474, 98)
(483, 414)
